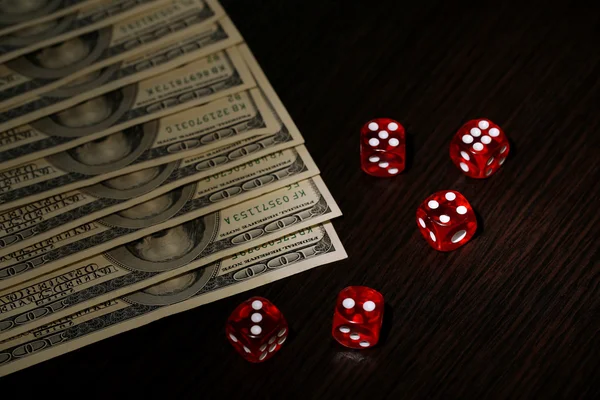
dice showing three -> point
(479, 148)
(382, 147)
(358, 317)
(446, 220)
(256, 329)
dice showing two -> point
(358, 317)
(257, 329)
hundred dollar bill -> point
(16, 15)
(184, 134)
(216, 192)
(195, 83)
(38, 97)
(202, 81)
(86, 19)
(63, 213)
(164, 254)
(41, 220)
(258, 266)
(88, 60)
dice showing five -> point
(479, 148)
(358, 317)
(382, 147)
(256, 329)
(446, 220)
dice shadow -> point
(410, 151)
(386, 326)
(513, 151)
(480, 225)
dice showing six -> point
(382, 147)
(479, 148)
(446, 220)
(256, 329)
(357, 317)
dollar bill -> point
(184, 134)
(194, 200)
(16, 15)
(164, 254)
(86, 61)
(41, 220)
(38, 97)
(31, 223)
(260, 265)
(26, 225)
(195, 83)
(218, 75)
(87, 19)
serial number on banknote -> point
(184, 126)
(168, 86)
(260, 208)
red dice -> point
(358, 316)
(256, 329)
(479, 148)
(382, 147)
(446, 220)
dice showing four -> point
(256, 329)
(382, 147)
(446, 220)
(357, 317)
(479, 148)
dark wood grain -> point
(513, 314)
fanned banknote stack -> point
(147, 168)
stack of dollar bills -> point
(147, 167)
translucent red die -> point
(382, 147)
(256, 329)
(446, 220)
(479, 148)
(358, 317)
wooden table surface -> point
(513, 314)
